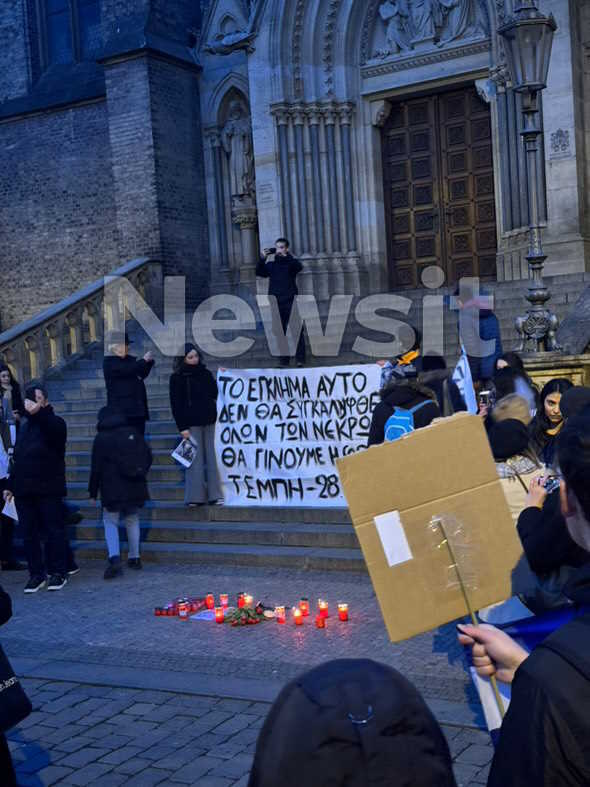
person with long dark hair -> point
(193, 399)
(548, 421)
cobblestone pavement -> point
(97, 660)
(82, 734)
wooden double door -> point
(439, 188)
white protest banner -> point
(279, 432)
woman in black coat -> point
(6, 767)
(193, 399)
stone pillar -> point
(245, 217)
(334, 235)
(215, 154)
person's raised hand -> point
(484, 409)
(185, 434)
(31, 407)
(493, 651)
(537, 493)
(7, 495)
(148, 356)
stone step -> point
(77, 458)
(161, 491)
(88, 429)
(158, 472)
(176, 511)
(85, 417)
(301, 558)
(232, 533)
(78, 405)
(157, 442)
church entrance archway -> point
(439, 187)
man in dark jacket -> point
(121, 459)
(478, 326)
(544, 736)
(405, 393)
(38, 484)
(282, 272)
(124, 376)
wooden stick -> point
(493, 681)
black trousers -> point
(137, 422)
(6, 529)
(42, 519)
(285, 309)
(6, 766)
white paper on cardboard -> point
(393, 538)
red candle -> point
(343, 611)
(219, 614)
(248, 600)
(297, 616)
(323, 608)
(170, 610)
(280, 614)
(320, 621)
(224, 600)
(210, 601)
(240, 600)
(158, 611)
(304, 606)
(183, 610)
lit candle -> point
(224, 600)
(297, 616)
(343, 611)
(219, 614)
(304, 606)
(183, 610)
(323, 608)
(320, 621)
(240, 600)
(248, 600)
(280, 614)
(210, 601)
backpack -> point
(132, 455)
(401, 421)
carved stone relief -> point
(236, 138)
(406, 25)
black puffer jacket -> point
(116, 490)
(124, 378)
(282, 272)
(447, 393)
(544, 739)
(404, 394)
(193, 396)
(40, 456)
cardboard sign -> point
(394, 490)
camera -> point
(551, 484)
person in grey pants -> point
(193, 399)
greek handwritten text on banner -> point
(279, 432)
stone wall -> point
(57, 217)
(14, 69)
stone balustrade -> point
(68, 329)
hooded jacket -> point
(404, 393)
(39, 468)
(545, 736)
(351, 723)
(193, 396)
(116, 491)
(489, 331)
(447, 393)
(282, 272)
(124, 379)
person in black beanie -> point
(193, 400)
(6, 766)
(351, 723)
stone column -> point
(215, 154)
(300, 180)
(246, 218)
(282, 115)
(314, 118)
(330, 117)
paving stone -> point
(64, 734)
(157, 753)
(215, 781)
(226, 751)
(140, 708)
(178, 759)
(234, 706)
(121, 755)
(243, 782)
(237, 723)
(149, 778)
(52, 774)
(34, 763)
(71, 745)
(194, 770)
(115, 741)
(81, 758)
(476, 754)
(162, 713)
(210, 740)
(133, 766)
(235, 768)
(111, 779)
(88, 774)
(464, 774)
(214, 718)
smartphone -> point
(272, 250)
(484, 398)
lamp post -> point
(528, 36)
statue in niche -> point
(414, 22)
(236, 138)
(228, 41)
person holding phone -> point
(281, 268)
(38, 484)
(124, 377)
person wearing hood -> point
(38, 484)
(404, 391)
(351, 723)
(437, 377)
(478, 325)
(121, 459)
(193, 400)
(544, 735)
(124, 377)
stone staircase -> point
(303, 538)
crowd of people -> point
(357, 721)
